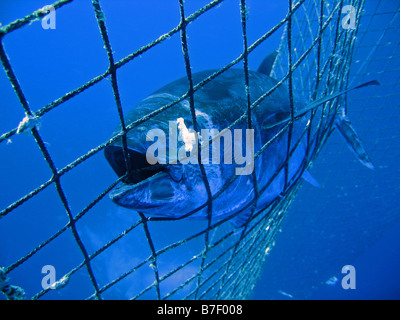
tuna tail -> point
(344, 126)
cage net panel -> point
(355, 206)
(203, 260)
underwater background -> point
(352, 219)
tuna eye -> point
(139, 168)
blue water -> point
(352, 219)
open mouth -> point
(139, 169)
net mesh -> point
(361, 204)
(210, 260)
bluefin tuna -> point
(170, 189)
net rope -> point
(314, 54)
(363, 204)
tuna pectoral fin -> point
(318, 102)
(344, 126)
(283, 117)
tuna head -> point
(162, 176)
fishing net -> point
(355, 206)
(108, 252)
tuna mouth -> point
(139, 169)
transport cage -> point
(105, 252)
